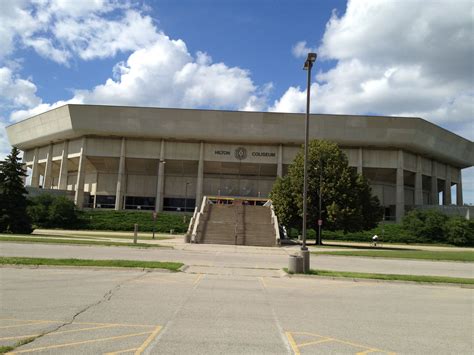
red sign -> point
(320, 222)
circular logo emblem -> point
(241, 153)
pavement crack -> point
(105, 298)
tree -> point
(346, 199)
(460, 231)
(427, 226)
(49, 211)
(13, 202)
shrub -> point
(49, 211)
(62, 213)
(428, 226)
(125, 220)
(460, 231)
(38, 210)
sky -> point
(391, 57)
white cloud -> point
(165, 74)
(300, 49)
(62, 29)
(408, 58)
(16, 92)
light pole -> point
(320, 221)
(308, 64)
(186, 199)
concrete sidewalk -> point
(177, 241)
(240, 257)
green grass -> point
(81, 235)
(173, 266)
(466, 256)
(5, 349)
(391, 277)
(55, 240)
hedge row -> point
(425, 227)
(125, 220)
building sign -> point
(222, 152)
(263, 154)
(242, 153)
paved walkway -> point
(240, 257)
(177, 241)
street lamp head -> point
(312, 57)
(308, 64)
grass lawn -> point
(85, 235)
(173, 266)
(56, 240)
(414, 278)
(466, 256)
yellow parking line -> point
(23, 325)
(315, 342)
(262, 282)
(367, 351)
(39, 321)
(292, 342)
(21, 337)
(78, 343)
(121, 351)
(198, 278)
(198, 281)
(296, 347)
(148, 340)
(116, 324)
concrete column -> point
(161, 179)
(81, 176)
(359, 162)
(200, 176)
(47, 181)
(35, 170)
(63, 170)
(23, 165)
(120, 179)
(434, 183)
(280, 161)
(400, 194)
(447, 187)
(459, 200)
(418, 183)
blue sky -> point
(405, 57)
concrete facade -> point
(167, 159)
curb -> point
(356, 279)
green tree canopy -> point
(347, 202)
(13, 202)
(49, 211)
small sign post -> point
(320, 222)
(154, 223)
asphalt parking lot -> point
(98, 311)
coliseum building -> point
(168, 159)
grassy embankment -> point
(27, 238)
(465, 256)
(173, 266)
(391, 277)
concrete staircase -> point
(237, 225)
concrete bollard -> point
(305, 256)
(135, 233)
(295, 264)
